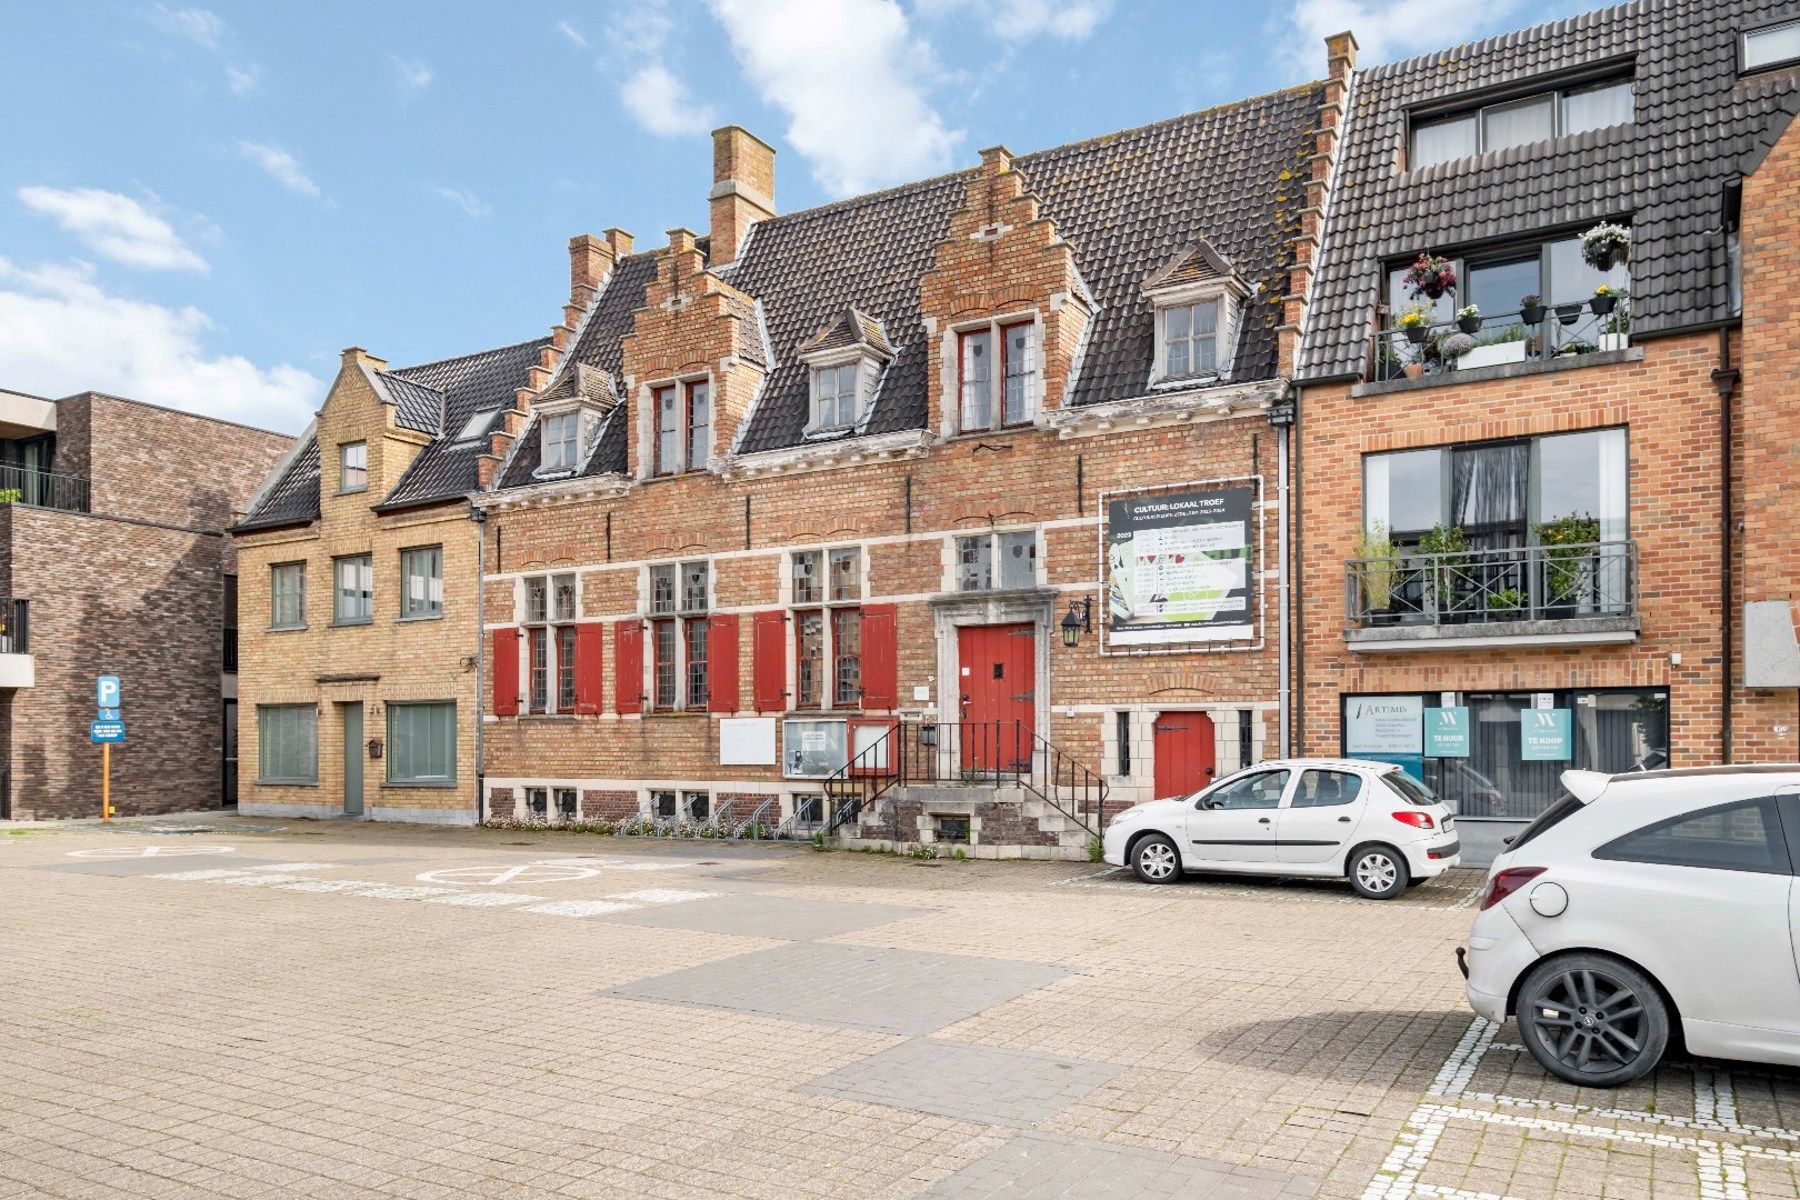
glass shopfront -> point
(1502, 754)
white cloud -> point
(413, 74)
(1385, 29)
(280, 165)
(846, 73)
(641, 29)
(661, 103)
(242, 80)
(198, 25)
(572, 33)
(466, 200)
(60, 332)
(1017, 20)
(116, 226)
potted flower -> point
(1604, 301)
(1468, 318)
(1606, 245)
(1615, 331)
(1568, 314)
(1451, 349)
(1531, 309)
(1378, 568)
(1431, 276)
(1414, 323)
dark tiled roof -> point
(416, 406)
(295, 496)
(1696, 123)
(436, 398)
(447, 468)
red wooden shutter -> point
(628, 667)
(769, 654)
(722, 662)
(506, 672)
(880, 657)
(589, 683)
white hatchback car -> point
(1320, 817)
(1644, 906)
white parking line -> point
(580, 908)
(664, 896)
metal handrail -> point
(1563, 329)
(45, 489)
(1581, 581)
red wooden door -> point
(1184, 753)
(998, 668)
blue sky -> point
(202, 203)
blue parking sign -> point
(107, 692)
(106, 732)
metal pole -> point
(479, 516)
(1284, 636)
(105, 782)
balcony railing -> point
(1565, 330)
(15, 626)
(44, 489)
(1588, 581)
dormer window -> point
(561, 441)
(1776, 45)
(845, 358)
(1538, 117)
(836, 397)
(1196, 296)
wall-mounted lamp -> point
(1077, 621)
(374, 747)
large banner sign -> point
(1178, 567)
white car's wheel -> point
(1592, 1019)
(1379, 872)
(1156, 860)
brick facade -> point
(135, 587)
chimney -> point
(590, 262)
(743, 190)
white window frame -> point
(1745, 66)
(994, 538)
(1229, 301)
(995, 328)
(680, 616)
(556, 624)
(827, 605)
(647, 426)
(567, 442)
(864, 370)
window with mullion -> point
(353, 601)
(976, 374)
(422, 582)
(565, 668)
(1540, 116)
(846, 657)
(665, 644)
(1191, 339)
(539, 645)
(836, 403)
(809, 659)
(699, 425)
(1018, 353)
(561, 441)
(698, 691)
(287, 596)
(666, 404)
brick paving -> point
(290, 1009)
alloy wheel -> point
(1590, 1022)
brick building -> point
(1512, 542)
(113, 560)
(359, 593)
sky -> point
(202, 205)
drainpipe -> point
(1282, 417)
(479, 516)
(1725, 378)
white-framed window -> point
(836, 397)
(353, 467)
(287, 596)
(681, 426)
(1551, 113)
(561, 441)
(827, 596)
(997, 394)
(353, 590)
(1770, 46)
(985, 561)
(680, 599)
(421, 582)
(287, 743)
(1190, 338)
(421, 742)
(550, 610)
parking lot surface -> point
(222, 1007)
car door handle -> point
(1343, 820)
(1262, 820)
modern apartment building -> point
(1535, 501)
(114, 560)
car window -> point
(1566, 807)
(1261, 790)
(1326, 789)
(1409, 789)
(1733, 837)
